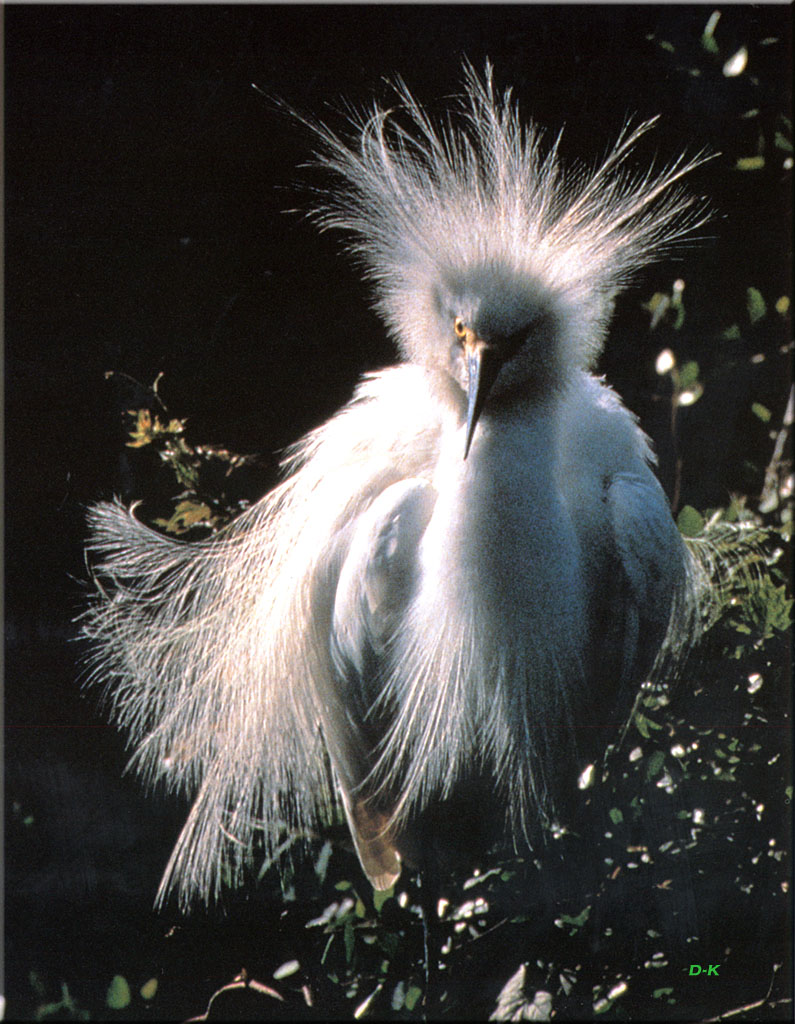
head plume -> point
(419, 200)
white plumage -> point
(468, 570)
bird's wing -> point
(214, 657)
(652, 562)
(376, 583)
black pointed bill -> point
(483, 365)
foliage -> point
(202, 505)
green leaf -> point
(688, 375)
(654, 303)
(412, 997)
(380, 896)
(731, 333)
(118, 995)
(348, 939)
(148, 989)
(655, 764)
(750, 163)
(761, 411)
(186, 474)
(779, 608)
(67, 1008)
(708, 35)
(616, 816)
(579, 920)
(755, 305)
(690, 522)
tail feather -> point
(182, 651)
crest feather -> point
(415, 197)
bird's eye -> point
(459, 327)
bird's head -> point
(497, 334)
(493, 267)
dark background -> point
(146, 184)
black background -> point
(146, 184)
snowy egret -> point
(466, 570)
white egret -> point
(468, 569)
